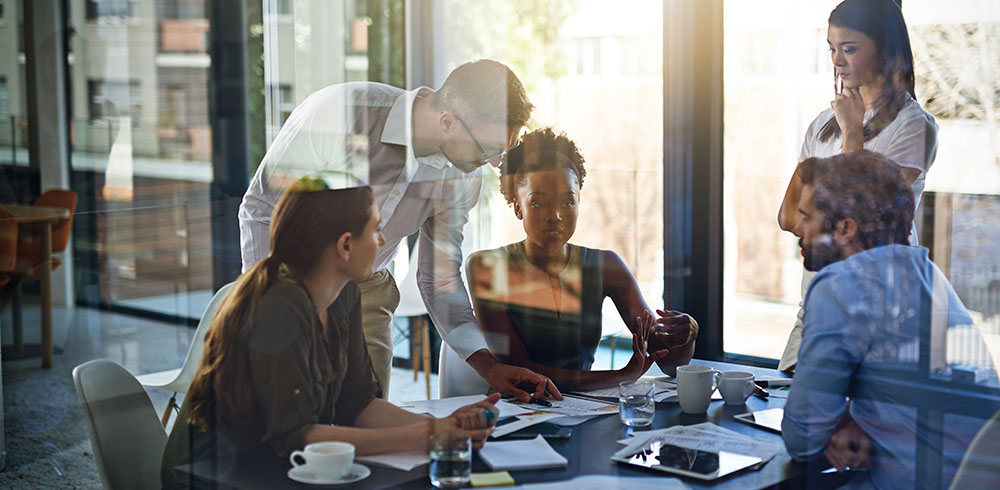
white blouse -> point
(910, 140)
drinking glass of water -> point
(451, 460)
(635, 403)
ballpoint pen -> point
(539, 401)
(760, 392)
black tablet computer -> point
(703, 465)
(769, 419)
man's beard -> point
(821, 253)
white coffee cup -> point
(327, 460)
(735, 386)
(695, 385)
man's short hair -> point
(487, 89)
(866, 187)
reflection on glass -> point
(594, 70)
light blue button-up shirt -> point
(862, 325)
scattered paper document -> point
(569, 421)
(574, 406)
(663, 391)
(609, 482)
(521, 421)
(778, 391)
(405, 461)
(521, 455)
(445, 406)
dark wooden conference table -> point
(588, 450)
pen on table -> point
(539, 401)
(760, 392)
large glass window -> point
(778, 78)
(957, 61)
(141, 154)
(593, 69)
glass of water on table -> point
(635, 403)
(451, 460)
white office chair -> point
(456, 377)
(979, 468)
(178, 380)
(411, 306)
(127, 439)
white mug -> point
(695, 385)
(735, 386)
(327, 460)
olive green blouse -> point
(301, 375)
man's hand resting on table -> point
(512, 380)
(849, 447)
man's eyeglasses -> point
(486, 158)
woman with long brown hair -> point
(285, 362)
(874, 108)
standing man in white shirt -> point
(421, 151)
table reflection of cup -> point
(695, 385)
(635, 403)
(451, 460)
(327, 460)
(735, 386)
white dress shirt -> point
(363, 129)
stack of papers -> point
(521, 455)
(705, 436)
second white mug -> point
(735, 386)
(695, 385)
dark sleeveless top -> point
(560, 340)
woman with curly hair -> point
(539, 300)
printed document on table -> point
(574, 406)
(522, 421)
(445, 406)
(663, 391)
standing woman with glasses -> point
(874, 108)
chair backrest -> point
(197, 349)
(126, 435)
(59, 198)
(8, 241)
(979, 468)
(410, 301)
(456, 377)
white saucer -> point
(356, 472)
